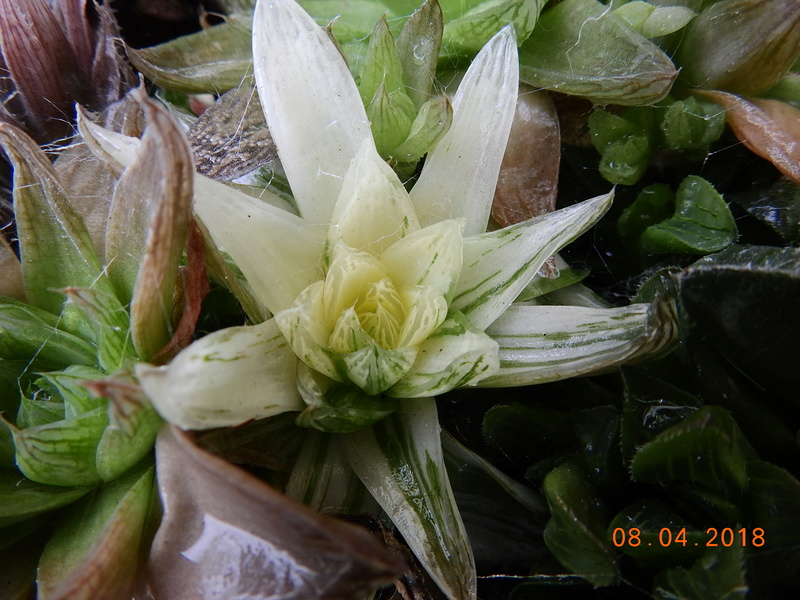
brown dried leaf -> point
(40, 61)
(147, 229)
(769, 128)
(195, 288)
(224, 530)
(231, 137)
(10, 272)
(528, 179)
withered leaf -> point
(231, 138)
(225, 531)
(528, 179)
(769, 128)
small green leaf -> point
(718, 575)
(212, 60)
(523, 431)
(336, 407)
(429, 126)
(391, 115)
(706, 449)
(382, 67)
(702, 223)
(21, 498)
(626, 160)
(580, 47)
(654, 21)
(68, 386)
(690, 123)
(576, 531)
(654, 204)
(111, 324)
(418, 50)
(34, 334)
(133, 424)
(469, 32)
(63, 452)
(400, 461)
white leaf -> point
(498, 265)
(311, 104)
(548, 343)
(226, 378)
(460, 174)
(400, 462)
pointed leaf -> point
(454, 355)
(418, 50)
(498, 265)
(213, 60)
(94, 553)
(132, 425)
(56, 250)
(225, 378)
(400, 461)
(580, 47)
(33, 333)
(718, 575)
(111, 326)
(460, 174)
(381, 66)
(548, 343)
(312, 105)
(147, 229)
(431, 123)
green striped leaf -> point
(63, 452)
(548, 343)
(498, 265)
(400, 461)
(323, 480)
(55, 248)
(468, 33)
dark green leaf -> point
(654, 204)
(664, 537)
(597, 431)
(521, 431)
(691, 124)
(719, 575)
(738, 299)
(774, 498)
(21, 498)
(418, 50)
(777, 207)
(702, 222)
(706, 449)
(576, 532)
(651, 407)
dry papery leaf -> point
(226, 534)
(528, 180)
(769, 128)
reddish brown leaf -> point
(225, 533)
(528, 178)
(195, 288)
(769, 128)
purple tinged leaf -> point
(78, 32)
(41, 63)
(225, 531)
